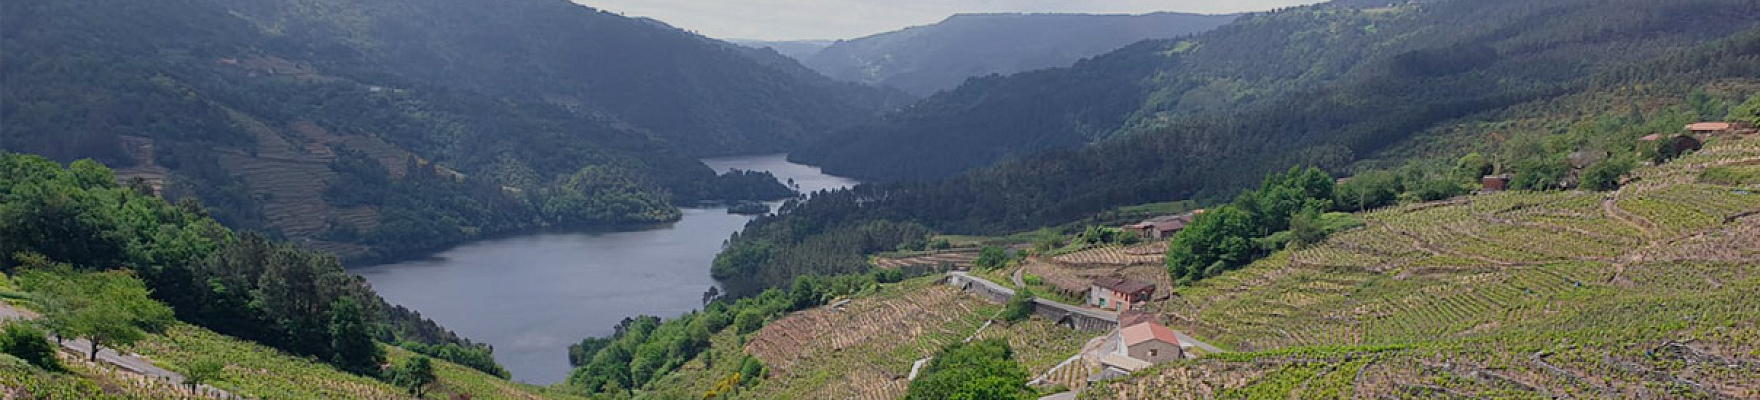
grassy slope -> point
(253, 371)
(865, 350)
(1647, 292)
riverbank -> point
(530, 295)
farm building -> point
(1115, 293)
(1162, 227)
(1496, 183)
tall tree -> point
(351, 340)
(106, 308)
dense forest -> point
(1336, 81)
(1522, 111)
(270, 112)
(63, 228)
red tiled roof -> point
(1710, 126)
(1147, 331)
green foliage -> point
(1225, 238)
(1019, 307)
(1605, 175)
(748, 321)
(991, 257)
(355, 351)
(979, 370)
(1368, 190)
(240, 285)
(644, 349)
(776, 248)
(1748, 111)
(107, 308)
(29, 344)
(202, 372)
(414, 375)
(751, 369)
(478, 357)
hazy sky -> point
(846, 19)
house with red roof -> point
(1119, 294)
(1143, 345)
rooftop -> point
(1123, 285)
(1147, 331)
(1710, 126)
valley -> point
(546, 199)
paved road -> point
(995, 287)
(130, 363)
(1184, 338)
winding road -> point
(129, 363)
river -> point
(531, 296)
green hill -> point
(309, 118)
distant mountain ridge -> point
(925, 59)
(796, 49)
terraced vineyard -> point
(864, 349)
(954, 258)
(1152, 253)
(1643, 293)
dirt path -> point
(129, 363)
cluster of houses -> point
(1682, 143)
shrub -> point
(748, 321)
(991, 257)
(30, 344)
(1604, 176)
(1020, 306)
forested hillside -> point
(115, 265)
(1340, 81)
(926, 59)
(1522, 84)
(387, 127)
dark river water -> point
(532, 296)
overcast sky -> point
(847, 19)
